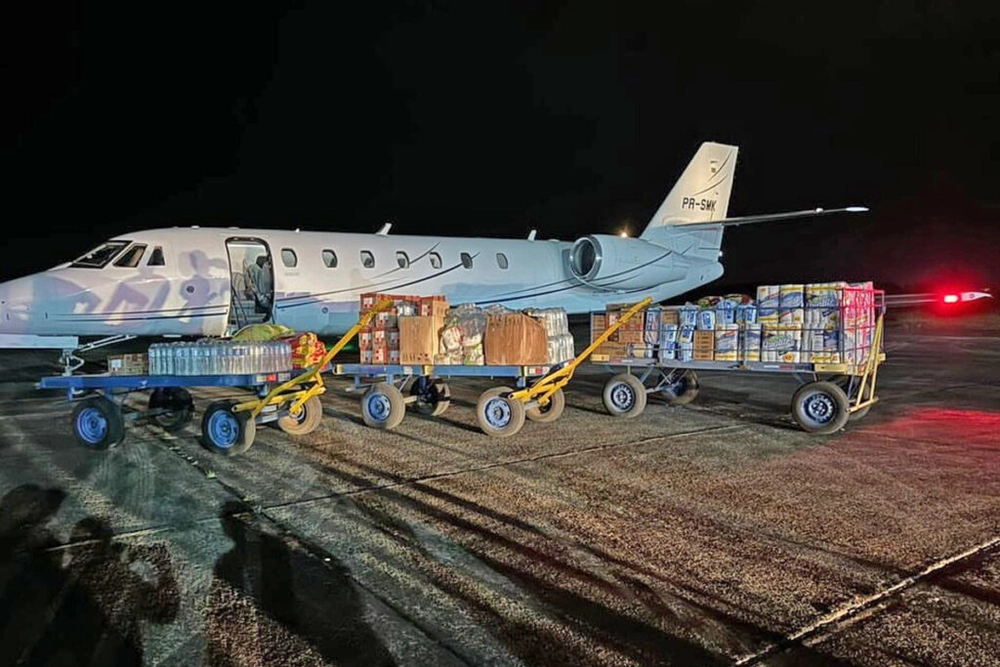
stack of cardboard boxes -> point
(795, 323)
(406, 333)
(426, 331)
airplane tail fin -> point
(701, 195)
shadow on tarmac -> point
(80, 602)
(268, 573)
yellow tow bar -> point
(312, 376)
(545, 387)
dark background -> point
(489, 119)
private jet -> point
(194, 281)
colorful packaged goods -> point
(727, 342)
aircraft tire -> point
(383, 406)
(820, 407)
(226, 432)
(498, 415)
(624, 396)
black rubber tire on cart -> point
(383, 406)
(860, 414)
(498, 415)
(683, 390)
(820, 407)
(98, 423)
(179, 405)
(551, 411)
(624, 396)
(844, 382)
(226, 432)
(433, 396)
(306, 421)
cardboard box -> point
(704, 355)
(419, 338)
(128, 364)
(670, 316)
(365, 339)
(433, 306)
(633, 336)
(515, 339)
(598, 325)
(384, 320)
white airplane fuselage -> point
(194, 281)
(191, 292)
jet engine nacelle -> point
(614, 262)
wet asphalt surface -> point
(713, 533)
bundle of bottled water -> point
(211, 356)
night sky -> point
(489, 119)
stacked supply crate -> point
(815, 323)
(408, 332)
(559, 339)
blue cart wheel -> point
(549, 412)
(174, 408)
(624, 396)
(681, 391)
(306, 420)
(383, 406)
(226, 432)
(498, 415)
(820, 407)
(98, 423)
(433, 395)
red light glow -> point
(951, 298)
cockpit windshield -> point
(99, 257)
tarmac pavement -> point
(712, 533)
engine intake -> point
(618, 263)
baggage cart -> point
(838, 387)
(288, 398)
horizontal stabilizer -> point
(775, 217)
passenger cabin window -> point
(330, 259)
(435, 260)
(501, 260)
(402, 260)
(466, 260)
(156, 257)
(99, 257)
(367, 259)
(130, 258)
(289, 258)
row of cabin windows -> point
(290, 260)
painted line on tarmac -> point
(853, 611)
(501, 464)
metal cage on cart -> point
(837, 367)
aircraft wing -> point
(774, 217)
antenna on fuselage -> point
(531, 234)
(385, 229)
